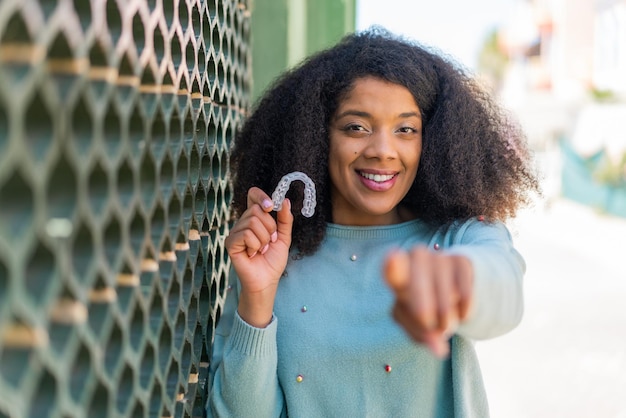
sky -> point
(456, 27)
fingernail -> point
(267, 204)
(274, 236)
(253, 254)
(264, 249)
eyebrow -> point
(365, 114)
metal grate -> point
(115, 123)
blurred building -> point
(571, 48)
(566, 80)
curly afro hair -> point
(474, 159)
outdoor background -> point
(116, 121)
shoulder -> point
(475, 229)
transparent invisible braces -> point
(308, 207)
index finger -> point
(257, 196)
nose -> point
(381, 145)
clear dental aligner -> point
(308, 207)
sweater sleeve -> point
(498, 301)
(243, 379)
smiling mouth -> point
(378, 178)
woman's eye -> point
(407, 130)
(354, 128)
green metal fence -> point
(115, 123)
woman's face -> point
(375, 148)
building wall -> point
(116, 121)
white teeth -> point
(377, 177)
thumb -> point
(284, 222)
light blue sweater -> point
(333, 350)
